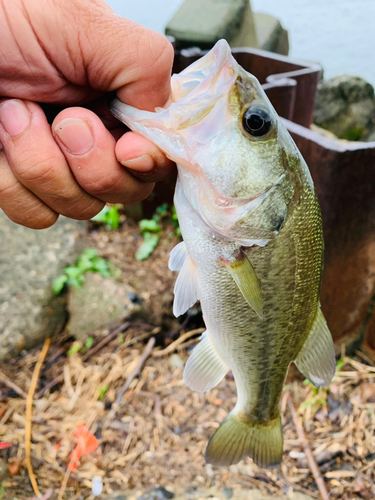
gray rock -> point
(270, 33)
(345, 105)
(158, 493)
(100, 301)
(29, 262)
(238, 494)
(201, 23)
(211, 493)
(228, 493)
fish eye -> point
(256, 121)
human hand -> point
(73, 53)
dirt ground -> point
(158, 433)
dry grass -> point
(161, 431)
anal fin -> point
(204, 369)
(316, 359)
(242, 271)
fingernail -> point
(143, 163)
(76, 135)
(14, 116)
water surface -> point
(340, 34)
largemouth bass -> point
(252, 250)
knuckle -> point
(33, 219)
(36, 170)
(103, 185)
(7, 190)
(84, 212)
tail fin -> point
(236, 439)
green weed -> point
(108, 216)
(75, 275)
(74, 348)
(88, 342)
(102, 392)
(151, 230)
(319, 396)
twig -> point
(181, 327)
(94, 350)
(64, 483)
(157, 407)
(137, 370)
(177, 342)
(155, 397)
(365, 358)
(12, 385)
(29, 411)
(51, 361)
(106, 340)
(47, 495)
(307, 450)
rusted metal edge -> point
(290, 84)
(343, 174)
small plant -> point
(151, 230)
(75, 275)
(108, 216)
(74, 348)
(88, 342)
(102, 392)
(319, 395)
(175, 221)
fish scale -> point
(252, 251)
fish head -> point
(226, 138)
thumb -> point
(121, 55)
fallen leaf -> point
(86, 443)
(14, 466)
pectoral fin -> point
(186, 288)
(316, 360)
(177, 257)
(204, 369)
(247, 281)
